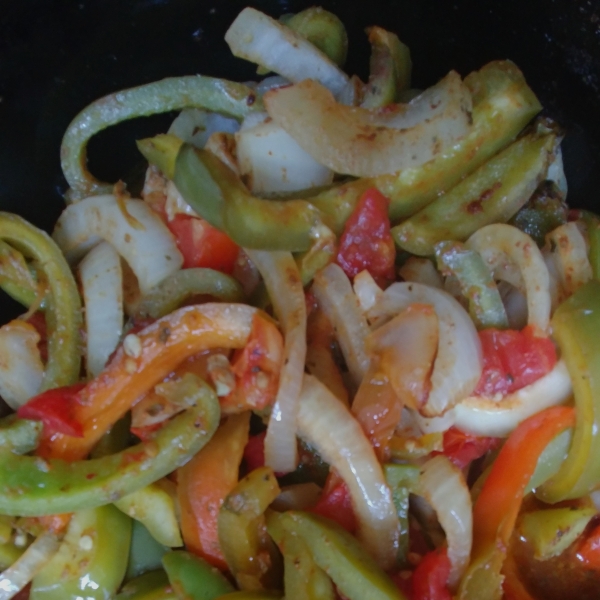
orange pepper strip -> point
(162, 346)
(204, 483)
(496, 509)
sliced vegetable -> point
(364, 143)
(145, 553)
(91, 560)
(430, 579)
(491, 194)
(149, 586)
(196, 91)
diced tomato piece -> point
(589, 549)
(54, 408)
(202, 245)
(335, 503)
(430, 578)
(367, 242)
(513, 359)
(462, 448)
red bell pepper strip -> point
(335, 503)
(430, 578)
(496, 509)
(54, 408)
(513, 359)
(366, 242)
(202, 245)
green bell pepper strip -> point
(492, 194)
(91, 560)
(402, 480)
(32, 486)
(145, 553)
(63, 315)
(155, 508)
(174, 93)
(592, 223)
(116, 439)
(322, 29)
(301, 573)
(16, 278)
(19, 435)
(576, 330)
(544, 212)
(256, 595)
(193, 578)
(171, 292)
(476, 283)
(340, 555)
(389, 69)
(149, 586)
(9, 553)
(242, 530)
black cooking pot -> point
(56, 56)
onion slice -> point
(139, 236)
(21, 367)
(479, 415)
(513, 256)
(260, 39)
(365, 143)
(443, 486)
(339, 303)
(102, 290)
(284, 285)
(26, 567)
(325, 423)
(459, 363)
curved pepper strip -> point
(390, 68)
(592, 223)
(497, 506)
(163, 345)
(576, 329)
(145, 553)
(63, 315)
(19, 435)
(476, 283)
(172, 291)
(491, 194)
(242, 530)
(193, 578)
(32, 486)
(17, 280)
(355, 573)
(91, 570)
(174, 93)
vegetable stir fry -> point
(342, 345)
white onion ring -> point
(284, 286)
(366, 143)
(325, 423)
(479, 415)
(148, 247)
(335, 296)
(21, 368)
(102, 290)
(443, 486)
(260, 39)
(504, 247)
(458, 365)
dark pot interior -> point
(58, 55)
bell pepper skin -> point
(339, 554)
(149, 586)
(91, 560)
(63, 313)
(496, 508)
(242, 530)
(576, 329)
(174, 93)
(203, 484)
(145, 553)
(16, 278)
(491, 194)
(19, 435)
(193, 578)
(390, 69)
(32, 486)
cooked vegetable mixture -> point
(343, 346)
